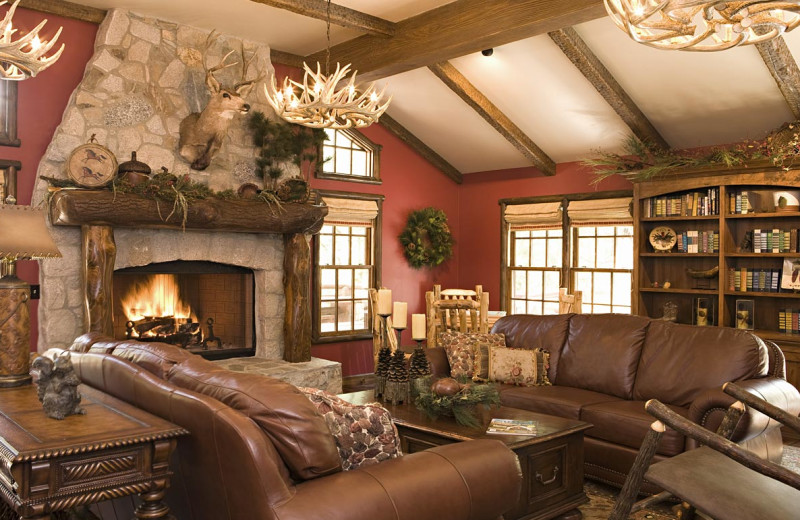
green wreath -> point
(426, 238)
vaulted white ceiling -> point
(693, 99)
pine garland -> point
(460, 406)
(279, 143)
(426, 239)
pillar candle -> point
(384, 302)
(400, 315)
(418, 326)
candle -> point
(418, 326)
(400, 315)
(384, 302)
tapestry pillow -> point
(521, 367)
(468, 353)
(293, 424)
(364, 434)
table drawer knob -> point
(544, 482)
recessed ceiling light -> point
(487, 52)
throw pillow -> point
(468, 353)
(364, 434)
(521, 367)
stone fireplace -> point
(145, 76)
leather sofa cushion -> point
(84, 342)
(289, 419)
(156, 358)
(627, 423)
(679, 362)
(602, 353)
(547, 332)
(561, 401)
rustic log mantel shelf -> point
(105, 208)
(98, 212)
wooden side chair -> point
(461, 310)
(568, 303)
(720, 479)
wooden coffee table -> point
(552, 461)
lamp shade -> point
(24, 234)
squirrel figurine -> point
(57, 385)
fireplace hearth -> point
(204, 307)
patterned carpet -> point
(601, 497)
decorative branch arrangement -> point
(426, 239)
(641, 160)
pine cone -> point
(398, 372)
(384, 360)
(419, 365)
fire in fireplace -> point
(205, 307)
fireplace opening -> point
(205, 307)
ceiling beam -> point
(492, 115)
(342, 16)
(285, 58)
(458, 28)
(784, 70)
(421, 148)
(66, 9)
(601, 79)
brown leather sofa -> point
(604, 367)
(267, 455)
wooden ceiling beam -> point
(573, 46)
(459, 84)
(421, 148)
(783, 67)
(285, 58)
(458, 28)
(66, 9)
(342, 16)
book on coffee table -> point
(512, 427)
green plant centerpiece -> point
(456, 399)
(426, 239)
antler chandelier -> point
(693, 25)
(319, 104)
(25, 57)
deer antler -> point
(211, 82)
(18, 64)
(245, 85)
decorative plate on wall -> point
(663, 239)
(91, 165)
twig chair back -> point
(461, 310)
(569, 303)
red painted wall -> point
(42, 101)
(479, 223)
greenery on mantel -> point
(641, 160)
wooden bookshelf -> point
(653, 268)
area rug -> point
(602, 497)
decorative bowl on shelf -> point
(663, 239)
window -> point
(350, 156)
(597, 258)
(346, 266)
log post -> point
(99, 253)
(296, 283)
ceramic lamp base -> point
(15, 332)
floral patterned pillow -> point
(521, 367)
(364, 434)
(468, 353)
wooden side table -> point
(114, 450)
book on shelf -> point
(692, 204)
(774, 240)
(512, 427)
(748, 279)
(789, 321)
(694, 241)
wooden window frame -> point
(373, 148)
(317, 337)
(566, 266)
(8, 175)
(8, 113)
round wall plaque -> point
(91, 165)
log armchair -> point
(720, 479)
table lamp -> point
(23, 236)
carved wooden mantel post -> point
(99, 254)
(296, 276)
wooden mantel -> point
(99, 212)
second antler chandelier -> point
(693, 25)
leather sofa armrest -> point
(473, 479)
(440, 367)
(709, 408)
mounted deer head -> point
(201, 134)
